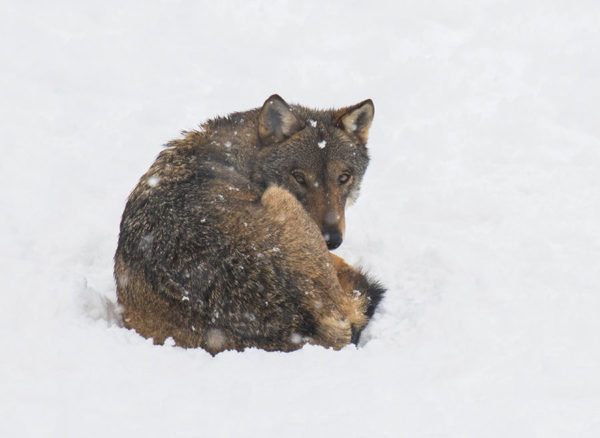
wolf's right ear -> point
(277, 121)
(356, 119)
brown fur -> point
(221, 248)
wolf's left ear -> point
(276, 121)
(356, 119)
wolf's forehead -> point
(320, 126)
(314, 117)
(349, 156)
(347, 150)
(324, 153)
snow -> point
(153, 181)
(480, 212)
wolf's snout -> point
(333, 238)
(331, 218)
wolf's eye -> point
(344, 178)
(299, 177)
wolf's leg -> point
(153, 315)
(364, 292)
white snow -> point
(480, 212)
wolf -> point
(224, 242)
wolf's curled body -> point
(224, 241)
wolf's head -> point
(319, 156)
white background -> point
(480, 212)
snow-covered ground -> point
(480, 212)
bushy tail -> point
(374, 292)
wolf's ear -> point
(356, 119)
(276, 121)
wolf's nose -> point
(333, 238)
